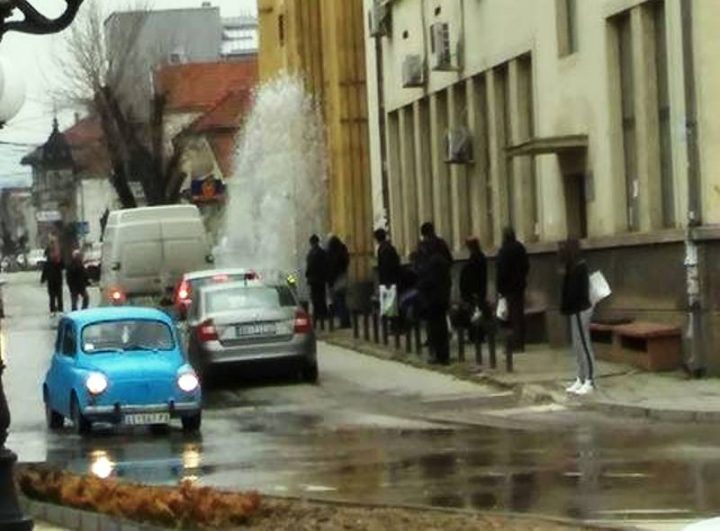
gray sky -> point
(32, 56)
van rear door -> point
(185, 248)
(141, 257)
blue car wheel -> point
(54, 419)
(81, 424)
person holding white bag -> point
(577, 306)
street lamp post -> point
(12, 97)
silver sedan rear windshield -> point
(250, 297)
(127, 336)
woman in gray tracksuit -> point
(576, 305)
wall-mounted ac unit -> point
(413, 71)
(379, 19)
(458, 146)
(440, 47)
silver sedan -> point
(250, 323)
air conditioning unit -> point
(440, 47)
(458, 145)
(379, 19)
(413, 71)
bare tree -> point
(104, 70)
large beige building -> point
(588, 118)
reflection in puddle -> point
(583, 473)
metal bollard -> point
(331, 322)
(509, 340)
(376, 332)
(461, 345)
(408, 340)
(396, 334)
(478, 348)
(491, 345)
(356, 325)
(366, 326)
(385, 331)
(418, 338)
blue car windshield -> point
(127, 336)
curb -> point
(79, 520)
(535, 392)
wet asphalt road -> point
(360, 435)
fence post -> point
(509, 339)
(396, 334)
(331, 322)
(418, 338)
(461, 344)
(366, 326)
(376, 333)
(385, 332)
(491, 344)
(408, 339)
(356, 324)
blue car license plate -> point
(144, 419)
(258, 329)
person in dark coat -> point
(575, 303)
(77, 281)
(512, 271)
(52, 275)
(434, 263)
(473, 284)
(316, 275)
(338, 259)
(388, 260)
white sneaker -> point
(586, 388)
(577, 384)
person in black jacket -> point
(388, 260)
(338, 259)
(576, 305)
(52, 275)
(473, 284)
(317, 277)
(512, 271)
(77, 281)
(434, 263)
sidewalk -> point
(542, 373)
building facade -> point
(590, 119)
(322, 41)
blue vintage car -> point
(120, 365)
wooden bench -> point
(649, 346)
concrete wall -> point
(516, 80)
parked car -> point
(191, 283)
(92, 258)
(245, 324)
(146, 250)
(36, 259)
(123, 366)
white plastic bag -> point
(599, 288)
(502, 311)
(388, 301)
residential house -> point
(239, 37)
(17, 215)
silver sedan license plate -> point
(259, 329)
(143, 419)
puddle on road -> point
(587, 473)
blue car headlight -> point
(188, 382)
(96, 383)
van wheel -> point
(81, 424)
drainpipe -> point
(695, 359)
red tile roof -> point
(199, 86)
(226, 114)
(86, 140)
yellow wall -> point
(324, 43)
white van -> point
(147, 250)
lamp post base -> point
(11, 517)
